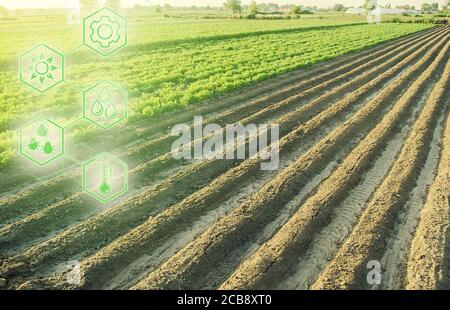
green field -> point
(171, 62)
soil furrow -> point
(272, 261)
(367, 242)
(395, 259)
(427, 266)
(327, 242)
(184, 267)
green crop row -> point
(21, 33)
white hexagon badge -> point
(105, 31)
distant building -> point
(355, 11)
(413, 12)
(386, 11)
(403, 7)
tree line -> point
(254, 8)
(236, 6)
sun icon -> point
(42, 68)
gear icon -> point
(105, 32)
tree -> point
(158, 8)
(435, 7)
(253, 8)
(338, 8)
(273, 7)
(426, 8)
(113, 4)
(233, 5)
(262, 7)
(295, 10)
(3, 11)
(88, 4)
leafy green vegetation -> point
(172, 63)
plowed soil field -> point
(364, 176)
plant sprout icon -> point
(42, 68)
(98, 107)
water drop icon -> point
(111, 112)
(97, 108)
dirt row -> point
(366, 242)
(428, 266)
(327, 240)
(187, 265)
(398, 243)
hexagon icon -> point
(42, 68)
(42, 141)
(105, 177)
(105, 104)
(105, 31)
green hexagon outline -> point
(125, 96)
(118, 47)
(125, 181)
(28, 156)
(62, 69)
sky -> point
(14, 4)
